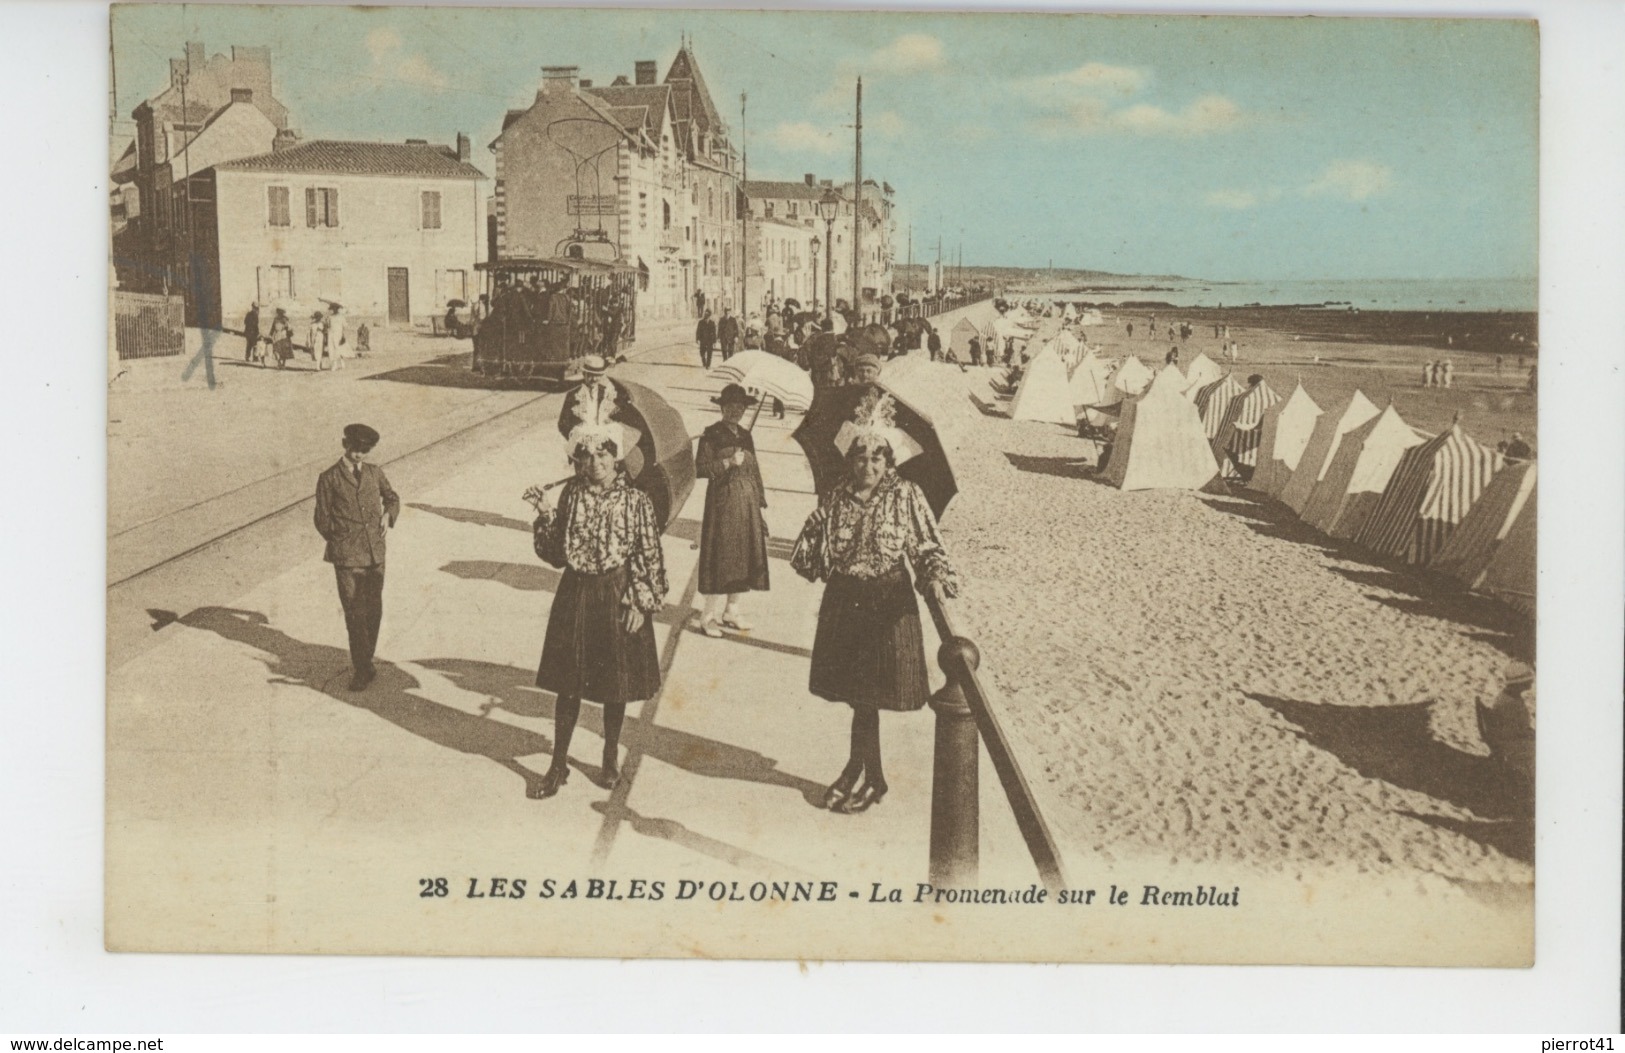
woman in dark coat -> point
(733, 537)
(600, 642)
(863, 539)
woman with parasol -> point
(863, 538)
(733, 537)
(600, 643)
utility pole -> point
(857, 209)
(744, 213)
(911, 255)
(939, 264)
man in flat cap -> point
(353, 503)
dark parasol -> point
(931, 470)
(662, 463)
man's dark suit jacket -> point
(350, 514)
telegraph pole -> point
(911, 255)
(857, 209)
(744, 214)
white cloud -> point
(1232, 199)
(390, 61)
(1208, 115)
(909, 53)
(804, 137)
(1351, 181)
(1089, 78)
(885, 123)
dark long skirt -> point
(586, 653)
(869, 649)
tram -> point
(546, 314)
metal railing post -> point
(955, 791)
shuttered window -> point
(278, 214)
(431, 210)
(321, 206)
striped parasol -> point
(1430, 492)
(768, 375)
(1239, 435)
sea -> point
(1422, 294)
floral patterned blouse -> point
(867, 539)
(596, 531)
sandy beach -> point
(1241, 691)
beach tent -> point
(1067, 314)
(1089, 381)
(959, 338)
(992, 344)
(1431, 491)
(1159, 443)
(1213, 403)
(1069, 346)
(1330, 427)
(1045, 393)
(1510, 576)
(1283, 433)
(1358, 474)
(1090, 316)
(1131, 377)
(1239, 435)
(1199, 373)
(1467, 553)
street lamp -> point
(829, 206)
(815, 244)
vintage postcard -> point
(822, 485)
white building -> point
(390, 230)
(776, 202)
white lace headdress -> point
(594, 408)
(875, 420)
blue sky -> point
(1225, 148)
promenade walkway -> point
(239, 761)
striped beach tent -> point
(1213, 403)
(1240, 434)
(1131, 376)
(1199, 373)
(1283, 434)
(1159, 443)
(1432, 489)
(1510, 576)
(1342, 418)
(1364, 462)
(1467, 553)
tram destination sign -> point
(592, 205)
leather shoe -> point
(609, 777)
(549, 784)
(362, 678)
(862, 799)
(838, 791)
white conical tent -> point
(1364, 462)
(1131, 377)
(1283, 433)
(1159, 443)
(1044, 393)
(1088, 382)
(1467, 554)
(1238, 436)
(1432, 489)
(1091, 316)
(1199, 373)
(1069, 347)
(1329, 429)
(960, 337)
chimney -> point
(812, 180)
(242, 95)
(463, 151)
(417, 142)
(645, 71)
(621, 82)
(286, 139)
(585, 83)
(558, 78)
(195, 56)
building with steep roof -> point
(390, 230)
(639, 170)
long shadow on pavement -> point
(391, 696)
(1394, 744)
(472, 516)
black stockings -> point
(865, 753)
(567, 710)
